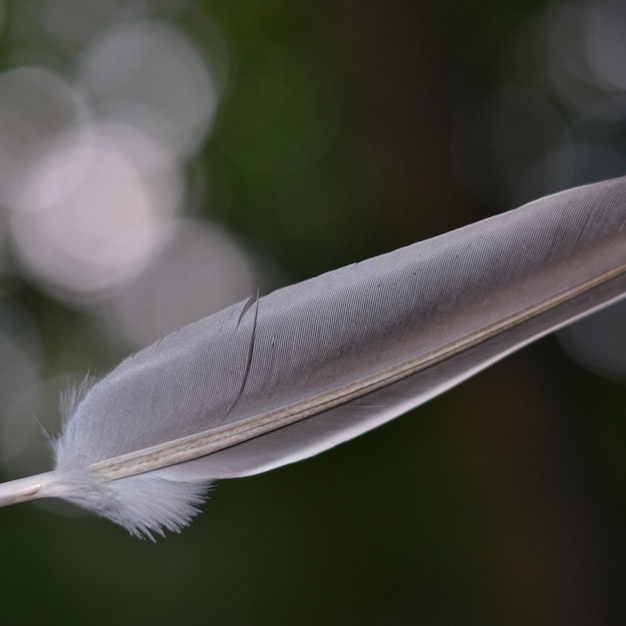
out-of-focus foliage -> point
(160, 159)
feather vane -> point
(257, 386)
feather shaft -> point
(23, 489)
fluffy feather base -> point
(145, 505)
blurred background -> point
(160, 159)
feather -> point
(273, 381)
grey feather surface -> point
(312, 365)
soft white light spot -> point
(202, 270)
(151, 76)
(92, 210)
(35, 105)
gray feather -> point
(332, 357)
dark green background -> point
(502, 502)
